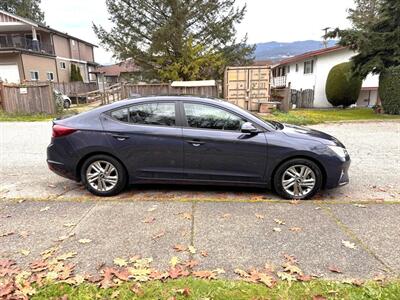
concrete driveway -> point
(374, 148)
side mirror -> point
(248, 128)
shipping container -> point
(247, 86)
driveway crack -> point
(354, 237)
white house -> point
(310, 71)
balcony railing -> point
(26, 44)
(279, 81)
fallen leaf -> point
(280, 222)
(295, 229)
(153, 208)
(158, 235)
(292, 269)
(258, 216)
(277, 229)
(25, 252)
(286, 276)
(192, 249)
(64, 237)
(45, 208)
(360, 205)
(184, 292)
(290, 259)
(219, 271)
(120, 262)
(49, 252)
(6, 289)
(137, 289)
(180, 248)
(204, 253)
(84, 241)
(349, 245)
(334, 269)
(226, 216)
(6, 234)
(205, 274)
(187, 216)
(52, 185)
(269, 281)
(69, 225)
(66, 256)
(241, 273)
(174, 261)
(115, 294)
(149, 220)
(191, 264)
(24, 234)
(295, 202)
(304, 278)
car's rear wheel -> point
(103, 175)
(298, 179)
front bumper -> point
(338, 175)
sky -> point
(265, 20)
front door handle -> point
(195, 143)
(120, 137)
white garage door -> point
(9, 73)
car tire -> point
(112, 175)
(67, 104)
(290, 184)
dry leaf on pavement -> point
(120, 262)
(349, 245)
(45, 208)
(85, 241)
(259, 216)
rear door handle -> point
(120, 137)
(195, 143)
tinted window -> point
(120, 115)
(153, 114)
(209, 117)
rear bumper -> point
(60, 169)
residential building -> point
(30, 51)
(310, 71)
(124, 71)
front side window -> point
(120, 115)
(209, 117)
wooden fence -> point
(71, 89)
(27, 99)
(129, 90)
(303, 98)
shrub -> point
(342, 87)
(389, 90)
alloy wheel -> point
(298, 180)
(102, 175)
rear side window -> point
(157, 113)
(209, 117)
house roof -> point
(43, 26)
(127, 66)
(310, 54)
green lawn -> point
(316, 116)
(6, 117)
(189, 288)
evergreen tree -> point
(176, 39)
(29, 9)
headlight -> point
(339, 151)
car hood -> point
(310, 134)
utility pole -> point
(325, 41)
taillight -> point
(59, 130)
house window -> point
(297, 67)
(288, 69)
(73, 42)
(63, 65)
(50, 76)
(309, 67)
(34, 75)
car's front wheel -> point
(298, 179)
(67, 104)
(103, 175)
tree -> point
(29, 9)
(342, 86)
(176, 39)
(389, 90)
(377, 41)
(365, 13)
(75, 73)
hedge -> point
(389, 90)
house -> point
(121, 72)
(310, 71)
(30, 51)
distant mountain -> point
(276, 51)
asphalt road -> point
(374, 148)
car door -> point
(215, 149)
(148, 139)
